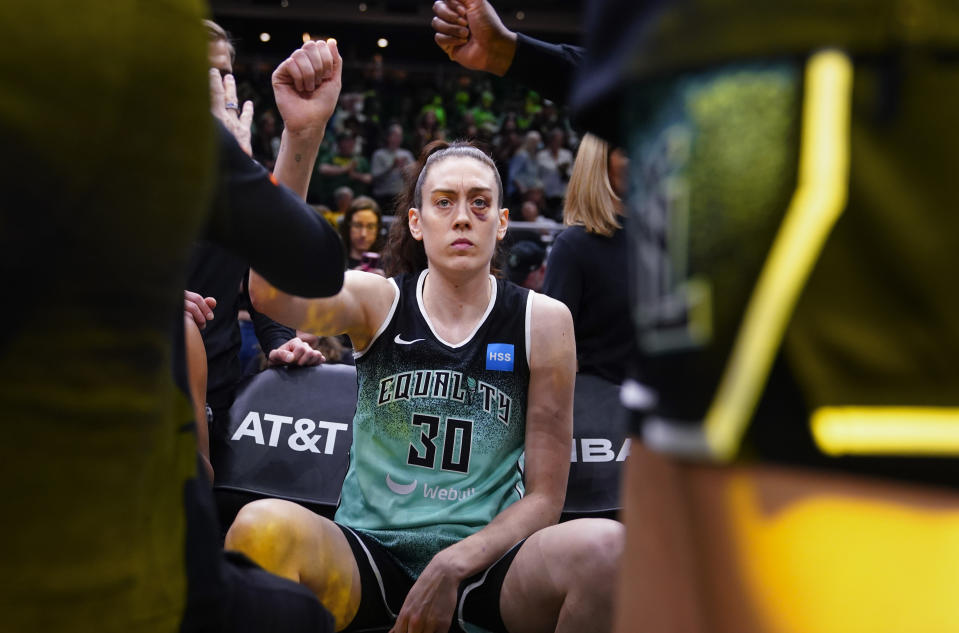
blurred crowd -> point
(386, 116)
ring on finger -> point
(232, 105)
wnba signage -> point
(289, 435)
(600, 447)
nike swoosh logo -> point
(399, 340)
(400, 489)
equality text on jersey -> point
(444, 385)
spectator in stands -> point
(537, 196)
(372, 123)
(549, 118)
(428, 129)
(529, 212)
(531, 109)
(353, 125)
(518, 233)
(587, 263)
(505, 145)
(506, 125)
(526, 264)
(342, 199)
(387, 167)
(466, 127)
(360, 230)
(542, 230)
(435, 106)
(412, 554)
(461, 104)
(524, 171)
(555, 162)
(483, 111)
(343, 167)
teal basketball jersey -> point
(439, 429)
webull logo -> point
(429, 492)
(446, 494)
(302, 435)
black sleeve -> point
(564, 277)
(269, 226)
(544, 67)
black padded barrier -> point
(288, 437)
(600, 447)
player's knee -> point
(257, 520)
(599, 551)
(265, 531)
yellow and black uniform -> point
(107, 171)
(793, 242)
(794, 239)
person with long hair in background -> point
(586, 268)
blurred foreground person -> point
(95, 239)
(98, 457)
(792, 239)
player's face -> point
(460, 220)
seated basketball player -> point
(461, 437)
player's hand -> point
(224, 105)
(471, 33)
(199, 308)
(431, 602)
(296, 352)
(306, 86)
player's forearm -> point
(274, 303)
(295, 160)
(480, 550)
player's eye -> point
(443, 203)
(481, 203)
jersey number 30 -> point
(455, 461)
